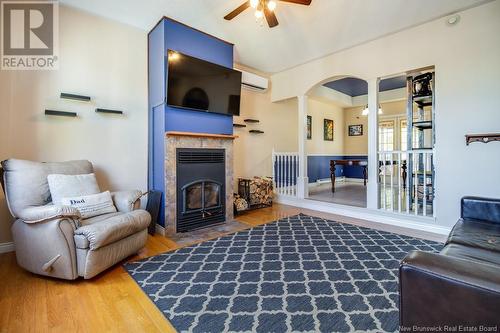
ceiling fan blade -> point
(299, 2)
(237, 11)
(270, 18)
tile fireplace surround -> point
(174, 140)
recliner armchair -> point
(53, 240)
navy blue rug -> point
(302, 274)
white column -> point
(372, 186)
(302, 179)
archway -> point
(336, 142)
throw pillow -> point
(91, 205)
(65, 186)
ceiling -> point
(356, 87)
(304, 33)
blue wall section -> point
(354, 171)
(318, 167)
(172, 35)
(156, 76)
(156, 116)
(183, 39)
(198, 122)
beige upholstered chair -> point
(53, 240)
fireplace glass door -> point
(201, 196)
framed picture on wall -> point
(309, 127)
(355, 130)
(328, 130)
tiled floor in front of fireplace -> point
(199, 235)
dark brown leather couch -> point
(460, 286)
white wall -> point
(252, 152)
(355, 145)
(358, 145)
(278, 121)
(100, 58)
(319, 111)
(466, 59)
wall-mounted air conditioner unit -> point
(253, 81)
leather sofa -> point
(53, 240)
(460, 286)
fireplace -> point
(201, 188)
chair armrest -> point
(484, 209)
(437, 290)
(48, 247)
(48, 212)
(126, 201)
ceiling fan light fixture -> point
(271, 5)
(264, 10)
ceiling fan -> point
(264, 8)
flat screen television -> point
(200, 85)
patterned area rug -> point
(302, 274)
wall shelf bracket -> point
(485, 138)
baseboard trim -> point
(160, 230)
(7, 247)
(326, 181)
(398, 220)
(354, 180)
(340, 179)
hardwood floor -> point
(112, 301)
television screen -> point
(201, 85)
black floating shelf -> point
(75, 97)
(423, 101)
(423, 124)
(108, 111)
(251, 121)
(60, 113)
(239, 125)
(256, 131)
(422, 97)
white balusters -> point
(391, 166)
(412, 191)
(407, 184)
(424, 199)
(384, 173)
(285, 172)
(415, 183)
(400, 175)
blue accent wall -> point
(318, 167)
(172, 35)
(184, 39)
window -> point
(386, 136)
(403, 135)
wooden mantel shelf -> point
(485, 138)
(202, 135)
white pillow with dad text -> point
(91, 205)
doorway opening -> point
(337, 142)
